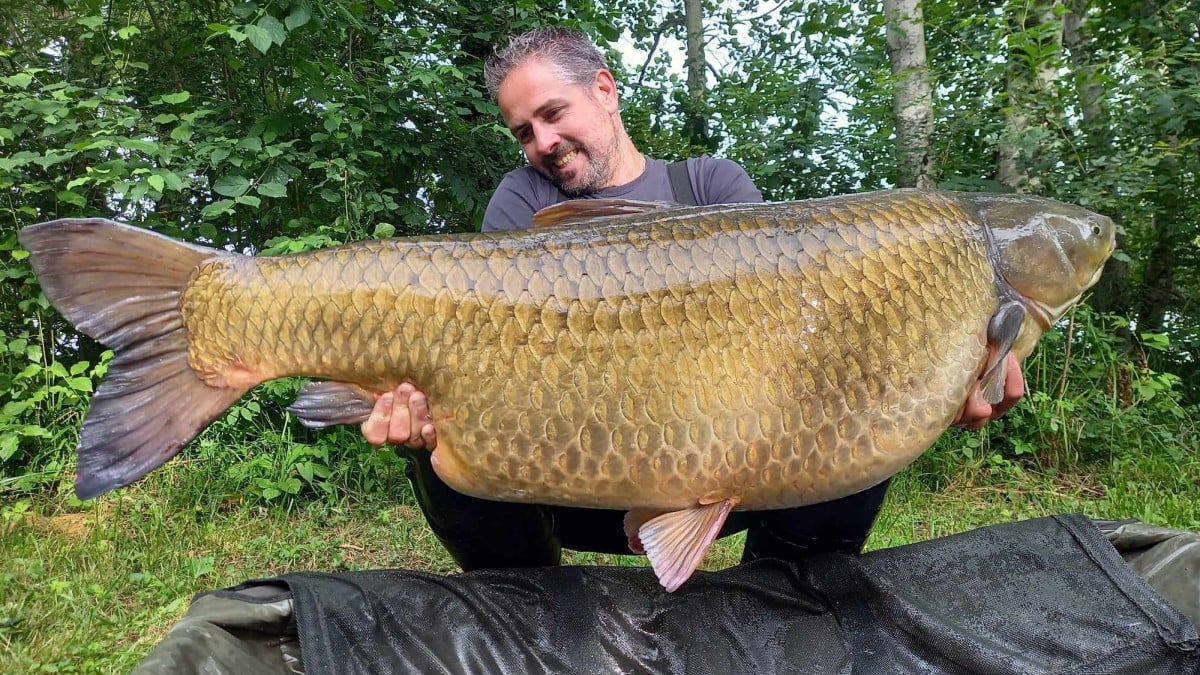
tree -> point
(913, 98)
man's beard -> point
(597, 172)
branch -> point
(673, 20)
(164, 46)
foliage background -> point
(276, 126)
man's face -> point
(567, 130)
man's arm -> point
(515, 200)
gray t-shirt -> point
(524, 191)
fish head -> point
(1048, 252)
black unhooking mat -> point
(1050, 595)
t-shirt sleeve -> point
(722, 181)
(513, 204)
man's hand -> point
(395, 416)
(976, 412)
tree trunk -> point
(1033, 58)
(1111, 294)
(1081, 48)
(695, 122)
(1158, 293)
(912, 103)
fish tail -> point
(122, 286)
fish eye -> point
(1095, 230)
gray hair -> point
(568, 50)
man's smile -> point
(565, 159)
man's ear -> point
(605, 89)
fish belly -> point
(778, 355)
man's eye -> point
(553, 113)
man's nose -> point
(545, 140)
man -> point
(560, 101)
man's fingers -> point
(975, 412)
(429, 435)
(1014, 387)
(400, 430)
(401, 417)
(375, 428)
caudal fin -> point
(122, 286)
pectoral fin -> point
(323, 404)
(676, 541)
(1001, 333)
(577, 210)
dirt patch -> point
(70, 525)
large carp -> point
(676, 362)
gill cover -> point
(1048, 252)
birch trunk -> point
(912, 104)
(693, 18)
(1034, 55)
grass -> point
(93, 587)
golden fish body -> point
(779, 354)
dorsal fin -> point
(577, 210)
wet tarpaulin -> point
(1051, 595)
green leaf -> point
(383, 230)
(148, 147)
(128, 31)
(71, 197)
(176, 98)
(92, 22)
(157, 182)
(173, 181)
(20, 254)
(232, 185)
(272, 190)
(165, 118)
(219, 207)
(54, 158)
(271, 26)
(260, 38)
(8, 446)
(298, 17)
(250, 200)
(80, 384)
(243, 10)
(20, 80)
